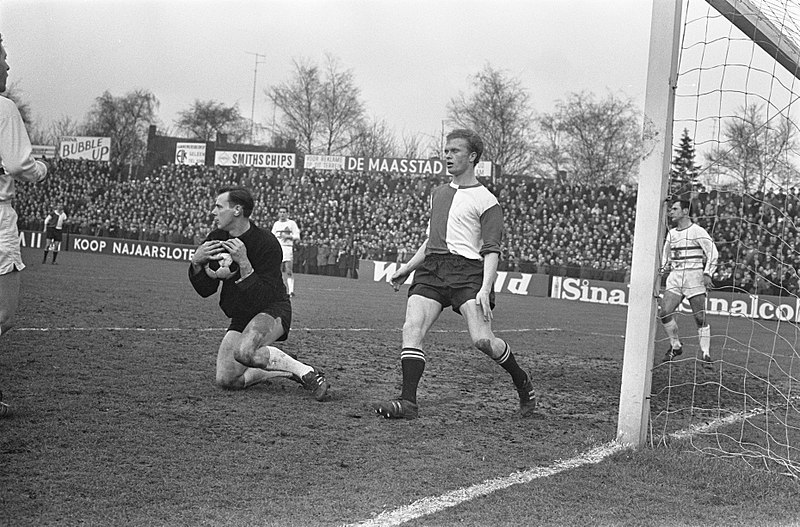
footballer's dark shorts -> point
(54, 234)
(449, 279)
(282, 310)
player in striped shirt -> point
(690, 257)
(455, 267)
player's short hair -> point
(684, 203)
(239, 196)
(474, 141)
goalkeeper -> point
(253, 297)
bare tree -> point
(602, 139)
(374, 139)
(125, 120)
(205, 119)
(551, 159)
(756, 150)
(342, 110)
(498, 108)
(321, 109)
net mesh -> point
(736, 97)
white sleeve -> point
(15, 146)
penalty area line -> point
(434, 504)
(431, 505)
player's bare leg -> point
(9, 300)
(698, 304)
(288, 276)
(667, 306)
(261, 361)
(421, 313)
(483, 338)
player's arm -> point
(407, 268)
(665, 256)
(492, 235)
(15, 147)
(46, 222)
(712, 255)
(295, 232)
(202, 283)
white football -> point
(220, 267)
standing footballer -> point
(53, 228)
(455, 267)
(690, 256)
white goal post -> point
(634, 404)
(774, 27)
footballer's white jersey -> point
(282, 230)
(691, 248)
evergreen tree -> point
(684, 173)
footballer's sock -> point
(705, 339)
(290, 284)
(44, 260)
(278, 360)
(412, 361)
(509, 363)
(671, 328)
(55, 255)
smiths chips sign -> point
(92, 148)
(228, 158)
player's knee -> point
(245, 355)
(229, 383)
(6, 322)
(483, 344)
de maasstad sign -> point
(786, 309)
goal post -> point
(634, 404)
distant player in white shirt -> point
(288, 233)
(690, 257)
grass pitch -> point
(117, 421)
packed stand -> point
(573, 231)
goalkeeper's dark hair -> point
(474, 141)
(239, 196)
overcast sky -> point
(409, 57)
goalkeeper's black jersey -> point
(262, 288)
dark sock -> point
(412, 361)
(44, 260)
(55, 253)
(509, 363)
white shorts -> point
(288, 253)
(687, 283)
(10, 255)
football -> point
(222, 267)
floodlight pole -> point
(662, 73)
(253, 103)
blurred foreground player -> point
(253, 297)
(17, 164)
(456, 266)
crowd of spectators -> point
(344, 216)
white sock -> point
(278, 360)
(290, 284)
(705, 339)
(671, 328)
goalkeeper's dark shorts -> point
(449, 279)
(282, 310)
(54, 234)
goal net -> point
(736, 103)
